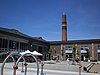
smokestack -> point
(64, 28)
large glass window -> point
(0, 42)
(23, 46)
(17, 45)
(98, 47)
(3, 43)
(13, 44)
(84, 47)
(10, 44)
(69, 48)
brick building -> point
(93, 45)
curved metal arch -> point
(33, 57)
(2, 67)
(17, 65)
(10, 55)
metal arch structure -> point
(26, 66)
(10, 55)
(2, 67)
(16, 63)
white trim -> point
(83, 51)
(98, 51)
(68, 51)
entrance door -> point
(82, 57)
(98, 56)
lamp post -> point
(31, 47)
(54, 51)
(62, 52)
(80, 64)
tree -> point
(74, 54)
(50, 52)
(87, 53)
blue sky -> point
(43, 18)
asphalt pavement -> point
(55, 68)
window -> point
(84, 47)
(69, 48)
(10, 44)
(23, 46)
(0, 42)
(6, 43)
(98, 48)
(17, 44)
(3, 43)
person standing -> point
(68, 60)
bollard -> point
(15, 68)
(22, 68)
(25, 64)
(42, 69)
(80, 66)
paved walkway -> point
(65, 66)
(59, 67)
(95, 68)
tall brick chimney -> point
(64, 28)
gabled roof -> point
(14, 31)
(18, 33)
(40, 39)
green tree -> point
(87, 53)
(74, 54)
(50, 52)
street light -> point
(55, 51)
(31, 47)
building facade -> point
(93, 46)
(13, 40)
